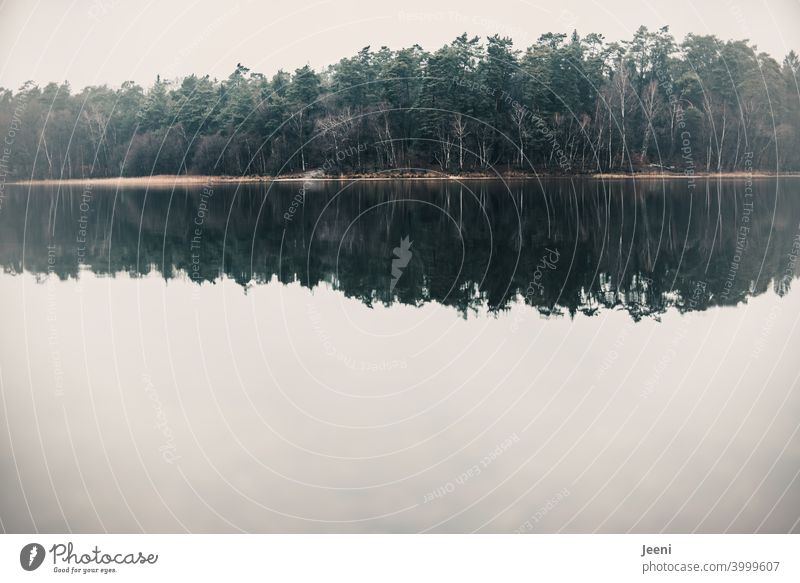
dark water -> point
(401, 356)
(639, 247)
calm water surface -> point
(557, 356)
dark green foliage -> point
(567, 104)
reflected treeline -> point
(561, 246)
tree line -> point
(567, 104)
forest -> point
(568, 104)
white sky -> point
(110, 41)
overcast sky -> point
(110, 41)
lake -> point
(401, 356)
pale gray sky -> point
(109, 41)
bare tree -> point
(445, 147)
(622, 91)
(519, 114)
(383, 128)
(460, 132)
(649, 105)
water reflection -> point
(560, 246)
(269, 363)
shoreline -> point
(199, 180)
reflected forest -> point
(560, 246)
